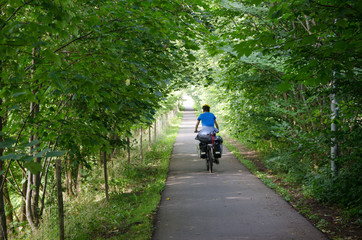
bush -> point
(343, 189)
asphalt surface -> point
(230, 203)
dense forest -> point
(79, 79)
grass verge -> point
(135, 193)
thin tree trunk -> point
(149, 137)
(29, 214)
(334, 147)
(36, 180)
(23, 204)
(35, 197)
(10, 215)
(141, 145)
(44, 188)
(105, 174)
(3, 226)
(58, 173)
(155, 130)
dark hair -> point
(206, 108)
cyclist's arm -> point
(197, 125)
(216, 125)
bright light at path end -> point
(188, 102)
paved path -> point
(230, 203)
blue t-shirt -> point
(207, 119)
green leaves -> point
(284, 86)
(89, 69)
(7, 143)
(33, 167)
(12, 156)
(55, 153)
(243, 48)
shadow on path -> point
(230, 203)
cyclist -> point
(208, 121)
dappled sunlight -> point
(187, 135)
(190, 124)
(238, 198)
(193, 193)
(186, 155)
(179, 144)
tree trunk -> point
(36, 181)
(58, 174)
(10, 215)
(35, 198)
(23, 204)
(105, 174)
(149, 138)
(29, 214)
(155, 130)
(334, 147)
(141, 147)
(3, 226)
(45, 187)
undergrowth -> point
(135, 192)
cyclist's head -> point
(206, 108)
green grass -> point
(135, 193)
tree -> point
(276, 64)
(85, 69)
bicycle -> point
(209, 157)
(210, 149)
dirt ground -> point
(329, 218)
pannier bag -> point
(206, 139)
(218, 149)
(203, 149)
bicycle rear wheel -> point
(210, 160)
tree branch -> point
(14, 13)
(331, 6)
(305, 27)
(76, 39)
